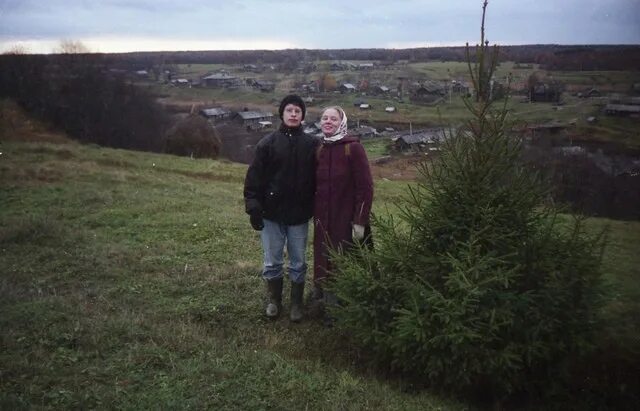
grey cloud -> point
(328, 24)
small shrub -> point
(193, 136)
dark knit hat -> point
(292, 99)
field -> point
(131, 280)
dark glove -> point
(256, 221)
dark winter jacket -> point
(280, 181)
(344, 194)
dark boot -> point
(315, 303)
(297, 291)
(274, 291)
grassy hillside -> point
(131, 280)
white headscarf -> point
(342, 130)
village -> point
(402, 110)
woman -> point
(344, 192)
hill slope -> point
(131, 280)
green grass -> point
(131, 280)
(377, 147)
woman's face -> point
(330, 122)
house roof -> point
(250, 115)
(313, 126)
(216, 111)
(348, 85)
(431, 87)
(422, 136)
(219, 76)
(547, 126)
(264, 83)
(363, 130)
(412, 138)
(623, 108)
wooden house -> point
(347, 88)
(588, 93)
(181, 82)
(460, 87)
(250, 68)
(622, 110)
(313, 129)
(220, 80)
(545, 93)
(216, 113)
(429, 93)
(254, 120)
(421, 140)
(363, 132)
(380, 90)
(365, 66)
(264, 86)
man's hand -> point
(256, 221)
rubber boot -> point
(297, 291)
(315, 302)
(274, 292)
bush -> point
(193, 136)
(479, 284)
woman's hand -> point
(357, 232)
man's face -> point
(292, 115)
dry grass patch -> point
(16, 125)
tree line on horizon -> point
(550, 56)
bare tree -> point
(17, 49)
(71, 47)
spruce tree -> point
(478, 281)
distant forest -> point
(552, 57)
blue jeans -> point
(274, 238)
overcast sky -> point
(152, 25)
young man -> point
(278, 194)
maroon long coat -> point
(344, 193)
